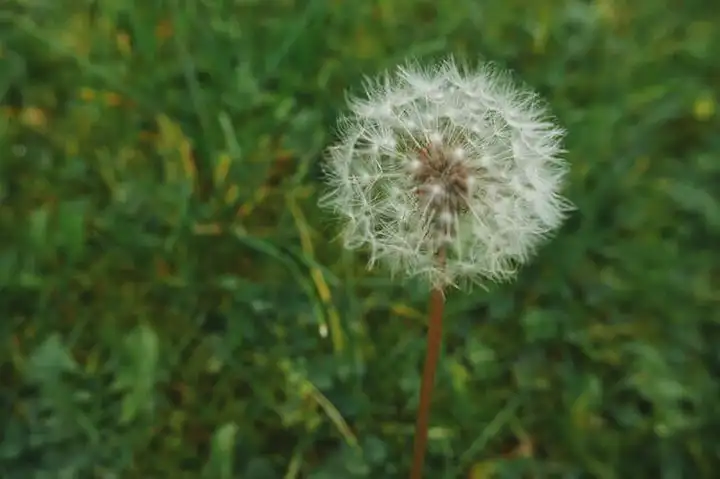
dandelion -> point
(448, 175)
(439, 159)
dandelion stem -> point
(434, 343)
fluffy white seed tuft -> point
(440, 159)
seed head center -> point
(441, 177)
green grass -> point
(173, 303)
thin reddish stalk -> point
(434, 342)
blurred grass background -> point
(173, 304)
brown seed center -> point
(442, 183)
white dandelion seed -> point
(440, 159)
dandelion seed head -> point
(447, 159)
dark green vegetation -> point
(173, 305)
